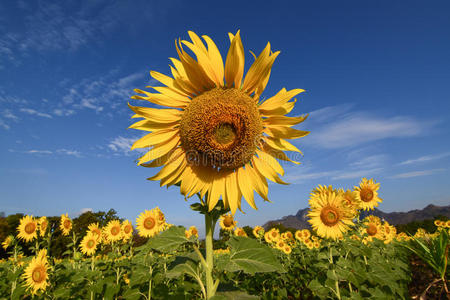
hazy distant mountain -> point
(299, 220)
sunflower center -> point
(30, 228)
(67, 224)
(127, 229)
(371, 229)
(228, 221)
(38, 274)
(221, 129)
(90, 244)
(149, 223)
(329, 216)
(115, 230)
(194, 231)
(366, 195)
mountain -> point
(300, 219)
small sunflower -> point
(147, 223)
(27, 228)
(127, 230)
(36, 273)
(240, 232)
(227, 222)
(328, 216)
(267, 237)
(8, 242)
(299, 235)
(88, 244)
(96, 230)
(258, 232)
(367, 195)
(287, 236)
(43, 225)
(193, 231)
(274, 235)
(280, 244)
(372, 230)
(217, 138)
(287, 249)
(113, 231)
(160, 216)
(65, 225)
(350, 199)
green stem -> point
(209, 226)
(338, 291)
(150, 284)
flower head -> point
(367, 194)
(27, 228)
(89, 244)
(227, 222)
(43, 224)
(65, 225)
(147, 223)
(36, 273)
(113, 230)
(217, 137)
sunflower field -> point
(357, 259)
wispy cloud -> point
(4, 125)
(356, 173)
(31, 111)
(39, 152)
(370, 162)
(121, 144)
(62, 112)
(425, 158)
(416, 173)
(350, 129)
(69, 152)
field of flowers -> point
(364, 259)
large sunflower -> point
(217, 137)
(328, 215)
(27, 228)
(113, 231)
(367, 195)
(36, 273)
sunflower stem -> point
(209, 226)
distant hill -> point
(300, 219)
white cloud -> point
(31, 111)
(69, 152)
(416, 173)
(121, 144)
(369, 162)
(60, 112)
(84, 210)
(425, 158)
(331, 128)
(356, 173)
(4, 125)
(9, 115)
(39, 152)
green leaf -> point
(169, 240)
(250, 256)
(233, 295)
(188, 267)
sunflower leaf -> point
(169, 240)
(250, 256)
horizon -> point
(375, 75)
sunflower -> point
(372, 230)
(350, 199)
(96, 230)
(113, 231)
(36, 273)
(43, 224)
(328, 216)
(65, 225)
(274, 235)
(267, 237)
(147, 223)
(127, 230)
(240, 232)
(217, 138)
(160, 216)
(88, 244)
(438, 223)
(258, 232)
(280, 244)
(287, 249)
(7, 242)
(287, 236)
(367, 195)
(27, 228)
(227, 222)
(193, 231)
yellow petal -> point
(245, 186)
(232, 192)
(283, 120)
(172, 165)
(215, 57)
(259, 182)
(234, 64)
(147, 125)
(176, 176)
(266, 170)
(163, 160)
(156, 137)
(159, 150)
(158, 115)
(271, 161)
(217, 189)
(285, 132)
(280, 144)
(279, 99)
(278, 154)
(176, 100)
(170, 83)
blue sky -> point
(376, 75)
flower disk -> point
(217, 138)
